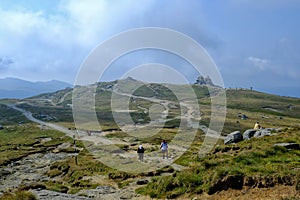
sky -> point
(254, 43)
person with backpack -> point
(140, 152)
(164, 148)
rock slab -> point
(233, 137)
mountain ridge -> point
(19, 88)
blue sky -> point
(253, 42)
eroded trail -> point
(176, 149)
(153, 159)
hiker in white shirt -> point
(164, 148)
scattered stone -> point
(118, 151)
(100, 190)
(28, 170)
(233, 137)
(248, 134)
(295, 146)
(244, 117)
(52, 195)
(44, 140)
(4, 172)
(105, 189)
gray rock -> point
(4, 172)
(270, 129)
(52, 195)
(288, 145)
(105, 189)
(99, 191)
(28, 170)
(248, 134)
(262, 133)
(233, 137)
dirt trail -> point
(153, 158)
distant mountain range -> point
(18, 88)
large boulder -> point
(262, 133)
(295, 146)
(233, 137)
(248, 134)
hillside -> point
(246, 170)
(271, 110)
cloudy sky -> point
(253, 42)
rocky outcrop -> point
(28, 170)
(108, 193)
(99, 191)
(204, 81)
(248, 134)
(295, 146)
(262, 133)
(236, 136)
(52, 195)
(233, 137)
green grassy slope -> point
(250, 163)
(253, 163)
(260, 102)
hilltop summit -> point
(204, 81)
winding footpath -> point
(29, 116)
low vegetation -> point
(18, 141)
(18, 195)
(255, 163)
(9, 116)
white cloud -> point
(38, 39)
(261, 64)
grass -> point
(9, 116)
(19, 141)
(265, 103)
(256, 158)
(253, 158)
(18, 195)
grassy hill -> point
(242, 166)
(239, 168)
(256, 105)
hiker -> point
(164, 148)
(140, 152)
(256, 126)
